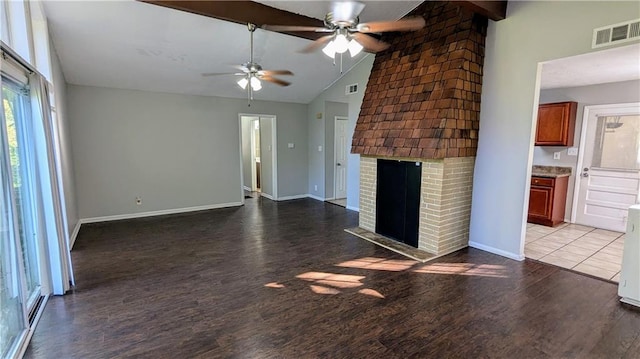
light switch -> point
(290, 145)
(319, 148)
(573, 151)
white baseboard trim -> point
(74, 234)
(316, 197)
(247, 188)
(567, 221)
(267, 196)
(288, 198)
(158, 213)
(357, 209)
(497, 251)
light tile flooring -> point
(597, 252)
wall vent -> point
(351, 89)
(616, 33)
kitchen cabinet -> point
(547, 200)
(556, 124)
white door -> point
(608, 172)
(341, 145)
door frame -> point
(583, 135)
(335, 155)
(274, 152)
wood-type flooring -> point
(283, 280)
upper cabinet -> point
(556, 124)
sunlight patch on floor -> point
(393, 265)
(468, 269)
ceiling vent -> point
(617, 33)
(351, 89)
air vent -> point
(351, 89)
(617, 33)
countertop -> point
(550, 171)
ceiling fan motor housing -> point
(335, 23)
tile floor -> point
(597, 252)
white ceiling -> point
(612, 65)
(133, 45)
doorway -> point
(258, 156)
(604, 176)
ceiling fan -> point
(346, 33)
(252, 73)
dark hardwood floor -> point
(283, 280)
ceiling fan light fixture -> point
(341, 43)
(354, 47)
(255, 84)
(243, 83)
(330, 49)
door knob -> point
(338, 164)
(585, 175)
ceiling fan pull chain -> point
(340, 63)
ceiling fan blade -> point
(286, 28)
(275, 80)
(275, 72)
(209, 74)
(346, 10)
(369, 43)
(317, 44)
(408, 24)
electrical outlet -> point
(315, 187)
(556, 155)
(319, 148)
(290, 145)
(139, 201)
(573, 151)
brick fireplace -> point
(422, 104)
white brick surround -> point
(445, 204)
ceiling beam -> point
(243, 12)
(494, 10)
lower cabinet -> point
(547, 200)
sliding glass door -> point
(12, 306)
(21, 240)
(17, 122)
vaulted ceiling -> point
(141, 46)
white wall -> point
(619, 92)
(66, 153)
(532, 32)
(336, 93)
(175, 151)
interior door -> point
(608, 179)
(341, 157)
(268, 157)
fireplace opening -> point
(398, 200)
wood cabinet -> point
(547, 200)
(556, 124)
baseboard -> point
(267, 196)
(74, 234)
(497, 251)
(316, 197)
(357, 209)
(157, 213)
(247, 189)
(288, 198)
